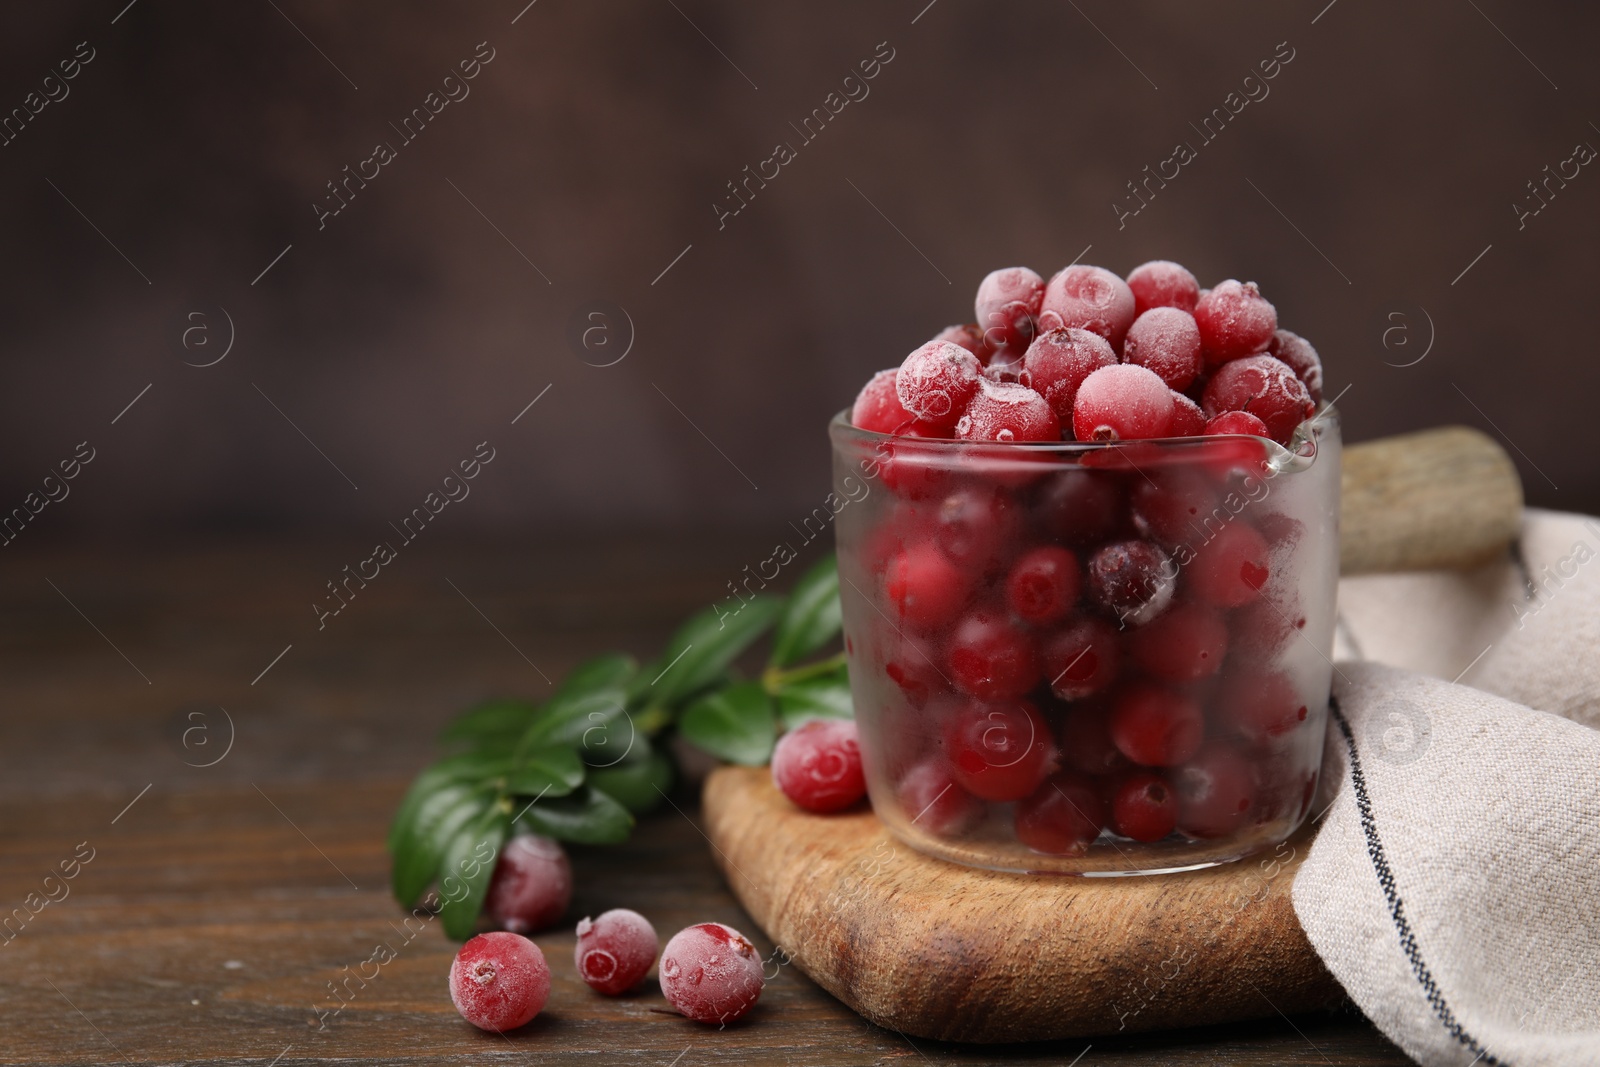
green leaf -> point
(703, 648)
(424, 838)
(636, 785)
(593, 695)
(811, 617)
(472, 767)
(466, 867)
(824, 697)
(492, 719)
(735, 724)
(588, 817)
(550, 772)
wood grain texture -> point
(940, 951)
(216, 908)
(1448, 497)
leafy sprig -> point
(581, 765)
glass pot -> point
(1085, 658)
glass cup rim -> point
(1280, 459)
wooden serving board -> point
(934, 950)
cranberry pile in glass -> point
(1089, 568)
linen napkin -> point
(1454, 886)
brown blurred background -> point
(425, 316)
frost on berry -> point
(1235, 321)
(877, 407)
(968, 336)
(1057, 362)
(818, 765)
(532, 884)
(1266, 388)
(1122, 403)
(1133, 580)
(936, 382)
(1091, 298)
(499, 981)
(1006, 306)
(1008, 411)
(615, 951)
(711, 973)
(1162, 283)
(1297, 353)
(1167, 341)
(1187, 418)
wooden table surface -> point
(221, 901)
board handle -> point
(1448, 497)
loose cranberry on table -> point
(818, 765)
(1007, 306)
(1062, 816)
(614, 952)
(711, 973)
(499, 981)
(532, 884)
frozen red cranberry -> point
(1172, 506)
(499, 981)
(937, 381)
(1163, 284)
(1062, 816)
(1156, 727)
(1057, 363)
(878, 406)
(1081, 507)
(915, 670)
(1007, 306)
(1007, 411)
(1090, 298)
(1185, 644)
(1266, 388)
(1143, 806)
(1122, 403)
(999, 751)
(1261, 707)
(1230, 568)
(1235, 320)
(1187, 418)
(976, 525)
(932, 801)
(1133, 580)
(818, 765)
(1167, 341)
(1262, 629)
(615, 951)
(1296, 352)
(925, 588)
(711, 973)
(1085, 739)
(532, 884)
(910, 469)
(1236, 422)
(1216, 790)
(1043, 584)
(991, 658)
(1005, 365)
(968, 336)
(1081, 659)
